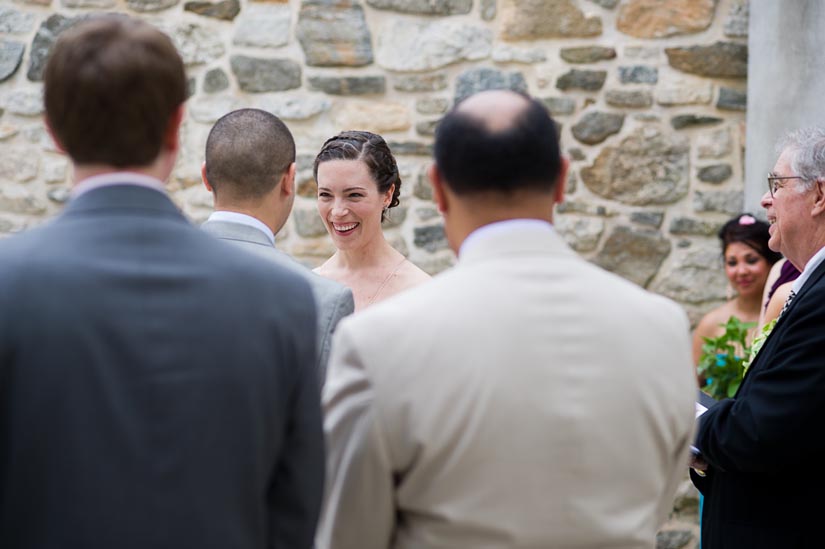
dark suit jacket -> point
(147, 400)
(333, 301)
(765, 446)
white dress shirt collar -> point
(500, 227)
(810, 267)
(243, 219)
(113, 179)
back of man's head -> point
(499, 142)
(247, 153)
(112, 86)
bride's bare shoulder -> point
(412, 274)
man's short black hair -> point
(472, 158)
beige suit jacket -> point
(525, 398)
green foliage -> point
(722, 363)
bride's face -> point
(349, 202)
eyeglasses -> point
(774, 182)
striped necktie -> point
(787, 304)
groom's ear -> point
(437, 183)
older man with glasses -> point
(762, 450)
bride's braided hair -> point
(373, 151)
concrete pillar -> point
(786, 82)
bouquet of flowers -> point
(722, 364)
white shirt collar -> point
(243, 219)
(810, 267)
(113, 179)
(485, 231)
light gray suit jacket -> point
(333, 301)
(523, 399)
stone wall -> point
(649, 95)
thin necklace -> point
(389, 276)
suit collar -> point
(238, 218)
(514, 239)
(231, 230)
(122, 197)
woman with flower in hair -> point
(748, 261)
(358, 183)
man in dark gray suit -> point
(250, 170)
(147, 399)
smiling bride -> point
(358, 182)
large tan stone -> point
(663, 18)
(536, 19)
(372, 116)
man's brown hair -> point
(111, 87)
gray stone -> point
(635, 254)
(587, 54)
(419, 46)
(208, 109)
(36, 134)
(570, 184)
(6, 226)
(348, 85)
(24, 102)
(431, 238)
(673, 539)
(422, 188)
(504, 53)
(559, 106)
(480, 79)
(424, 7)
(191, 87)
(638, 74)
(720, 59)
(651, 219)
(582, 80)
(400, 148)
(334, 33)
(215, 80)
(732, 100)
(716, 173)
(728, 202)
(11, 54)
(432, 105)
(534, 20)
(395, 216)
(427, 127)
(21, 203)
(19, 163)
(151, 5)
(641, 52)
(61, 195)
(421, 82)
(714, 144)
(299, 106)
(696, 278)
(263, 26)
(225, 10)
(607, 4)
(634, 99)
(736, 24)
(682, 91)
(197, 45)
(55, 169)
(692, 120)
(15, 22)
(43, 43)
(595, 127)
(576, 154)
(258, 75)
(427, 214)
(488, 9)
(571, 206)
(581, 233)
(308, 223)
(648, 167)
(92, 4)
(696, 227)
